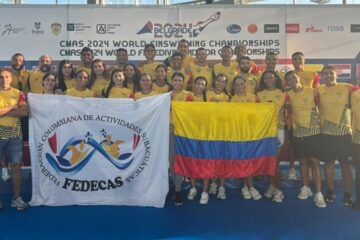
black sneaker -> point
(347, 200)
(178, 199)
(330, 196)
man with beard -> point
(36, 76)
(20, 76)
(240, 51)
(12, 106)
(86, 56)
(187, 59)
(251, 82)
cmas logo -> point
(178, 30)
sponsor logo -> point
(335, 28)
(64, 158)
(271, 28)
(355, 28)
(252, 28)
(107, 28)
(79, 28)
(178, 30)
(311, 28)
(56, 28)
(101, 28)
(292, 28)
(70, 27)
(9, 29)
(233, 28)
(37, 29)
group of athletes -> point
(316, 122)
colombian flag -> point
(224, 139)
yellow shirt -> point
(212, 96)
(198, 98)
(230, 71)
(251, 84)
(149, 68)
(163, 89)
(305, 115)
(183, 96)
(307, 78)
(248, 98)
(10, 126)
(139, 95)
(203, 71)
(171, 71)
(98, 85)
(78, 68)
(76, 93)
(70, 83)
(21, 79)
(35, 81)
(278, 98)
(355, 107)
(130, 86)
(334, 109)
(187, 62)
(117, 92)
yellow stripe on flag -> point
(224, 121)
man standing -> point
(122, 58)
(19, 75)
(251, 81)
(240, 51)
(35, 78)
(226, 66)
(187, 60)
(86, 56)
(12, 106)
(308, 78)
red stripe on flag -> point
(204, 168)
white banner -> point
(99, 151)
(328, 35)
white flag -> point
(99, 151)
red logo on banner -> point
(252, 28)
(292, 28)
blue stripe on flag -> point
(225, 150)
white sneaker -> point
(19, 204)
(255, 194)
(270, 191)
(192, 193)
(221, 193)
(305, 193)
(319, 200)
(292, 174)
(245, 192)
(5, 174)
(213, 188)
(278, 196)
(204, 198)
